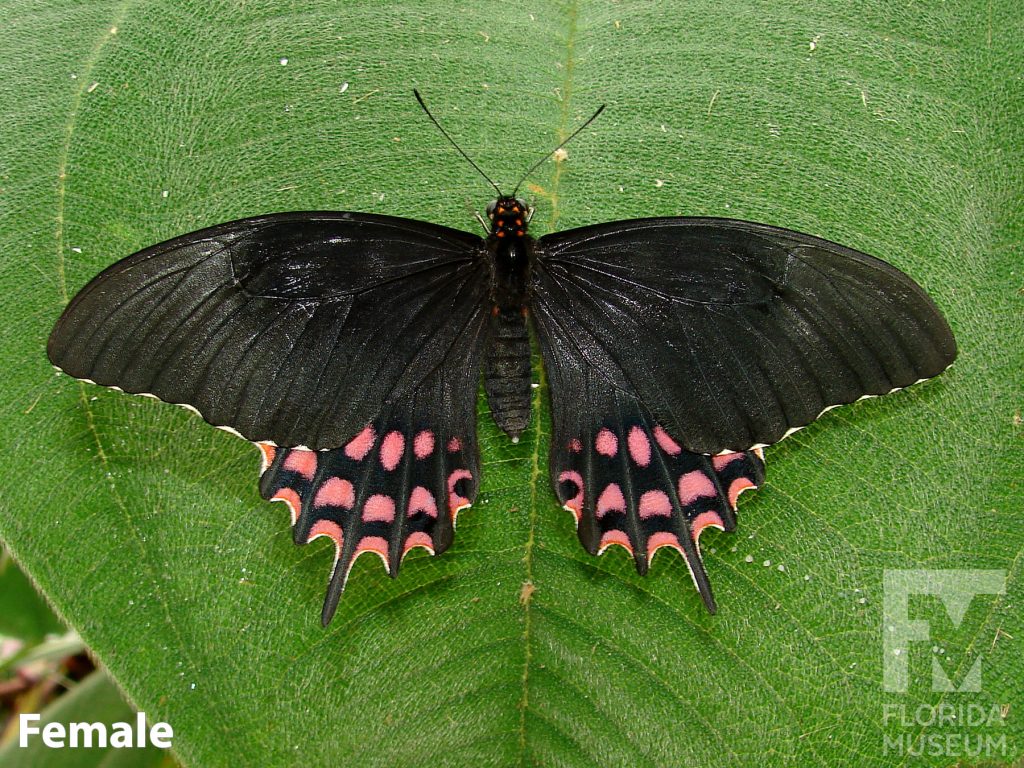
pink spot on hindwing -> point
(455, 501)
(723, 460)
(606, 443)
(693, 485)
(655, 503)
(666, 443)
(661, 539)
(303, 462)
(614, 537)
(738, 486)
(361, 444)
(418, 539)
(391, 450)
(329, 529)
(639, 447)
(379, 509)
(704, 520)
(423, 444)
(575, 504)
(291, 498)
(267, 454)
(336, 492)
(422, 500)
(375, 544)
(454, 445)
(575, 445)
(610, 500)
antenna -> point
(468, 159)
(572, 135)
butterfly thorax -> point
(511, 250)
(507, 357)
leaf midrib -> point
(526, 600)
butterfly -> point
(349, 348)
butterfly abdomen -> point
(507, 370)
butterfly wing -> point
(690, 337)
(397, 485)
(293, 328)
(354, 334)
(734, 333)
(623, 477)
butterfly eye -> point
(522, 204)
(490, 208)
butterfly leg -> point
(390, 489)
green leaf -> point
(894, 129)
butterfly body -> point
(507, 371)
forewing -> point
(296, 329)
(733, 333)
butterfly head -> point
(509, 216)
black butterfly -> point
(348, 347)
